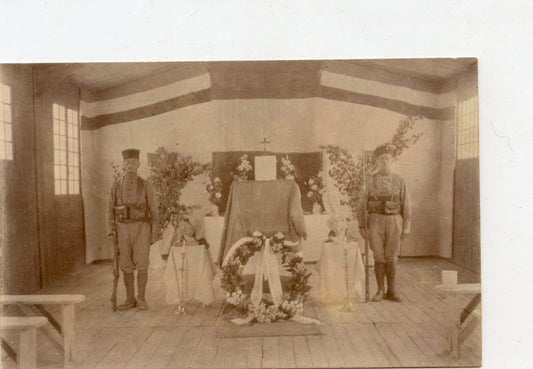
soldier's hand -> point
(404, 235)
(164, 257)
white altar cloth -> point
(196, 280)
(331, 270)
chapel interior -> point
(54, 196)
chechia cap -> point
(131, 154)
(382, 149)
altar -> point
(269, 207)
(317, 232)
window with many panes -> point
(6, 127)
(468, 128)
(66, 150)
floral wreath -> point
(266, 312)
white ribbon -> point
(269, 268)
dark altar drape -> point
(307, 164)
(265, 206)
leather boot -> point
(142, 279)
(379, 269)
(130, 293)
(391, 283)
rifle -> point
(116, 270)
(367, 267)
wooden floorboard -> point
(286, 353)
(204, 355)
(376, 334)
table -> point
(65, 328)
(27, 330)
(189, 275)
(456, 314)
(317, 232)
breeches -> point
(385, 232)
(134, 245)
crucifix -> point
(265, 142)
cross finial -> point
(265, 142)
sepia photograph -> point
(267, 184)
(241, 214)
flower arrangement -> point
(169, 174)
(214, 189)
(287, 167)
(266, 312)
(277, 242)
(244, 168)
(347, 172)
(315, 187)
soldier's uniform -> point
(388, 204)
(133, 213)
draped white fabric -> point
(341, 273)
(189, 276)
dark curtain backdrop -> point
(306, 164)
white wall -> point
(299, 125)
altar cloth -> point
(265, 206)
(331, 269)
(195, 282)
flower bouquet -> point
(315, 186)
(244, 168)
(287, 168)
(214, 189)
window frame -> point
(66, 131)
(4, 155)
(467, 128)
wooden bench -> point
(456, 313)
(27, 330)
(32, 305)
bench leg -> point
(67, 312)
(453, 318)
(27, 355)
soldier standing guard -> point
(389, 220)
(133, 214)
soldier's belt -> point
(129, 214)
(382, 213)
(384, 198)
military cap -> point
(382, 149)
(130, 154)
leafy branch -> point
(347, 172)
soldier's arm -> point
(154, 208)
(406, 208)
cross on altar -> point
(265, 142)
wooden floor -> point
(384, 334)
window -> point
(66, 150)
(6, 129)
(468, 128)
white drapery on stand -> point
(341, 273)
